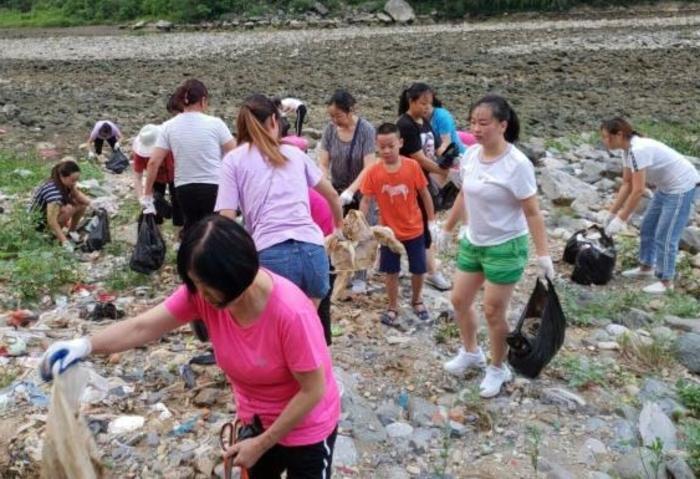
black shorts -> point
(196, 201)
(301, 462)
(177, 213)
(390, 262)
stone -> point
(421, 412)
(384, 18)
(320, 8)
(345, 452)
(360, 418)
(420, 439)
(639, 463)
(554, 470)
(164, 25)
(592, 171)
(688, 351)
(608, 346)
(688, 325)
(389, 412)
(654, 390)
(636, 318)
(595, 424)
(138, 25)
(625, 436)
(616, 330)
(152, 439)
(690, 239)
(124, 424)
(399, 430)
(563, 398)
(206, 397)
(654, 424)
(9, 111)
(662, 333)
(592, 452)
(562, 189)
(534, 149)
(400, 11)
(679, 469)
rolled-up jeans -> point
(662, 226)
(304, 264)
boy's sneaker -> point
(638, 273)
(464, 360)
(438, 281)
(493, 381)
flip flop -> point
(421, 312)
(390, 318)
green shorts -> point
(501, 264)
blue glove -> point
(63, 354)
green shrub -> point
(689, 394)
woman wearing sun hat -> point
(141, 151)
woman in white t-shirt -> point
(498, 207)
(646, 161)
(198, 142)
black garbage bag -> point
(149, 253)
(163, 207)
(118, 162)
(539, 333)
(594, 255)
(97, 229)
(443, 198)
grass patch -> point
(581, 372)
(684, 137)
(36, 18)
(23, 173)
(689, 393)
(124, 278)
(691, 443)
(584, 307)
(654, 354)
(129, 211)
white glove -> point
(117, 146)
(546, 267)
(346, 197)
(147, 205)
(438, 235)
(67, 245)
(91, 155)
(615, 226)
(61, 355)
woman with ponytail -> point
(268, 183)
(198, 142)
(675, 180)
(59, 202)
(498, 207)
(420, 143)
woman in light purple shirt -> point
(268, 183)
(104, 130)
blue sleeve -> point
(442, 122)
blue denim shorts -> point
(304, 264)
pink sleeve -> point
(302, 341)
(181, 304)
(227, 198)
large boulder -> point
(690, 240)
(400, 11)
(688, 351)
(655, 425)
(562, 189)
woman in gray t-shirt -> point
(347, 147)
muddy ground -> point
(562, 76)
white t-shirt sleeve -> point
(222, 132)
(162, 141)
(640, 158)
(524, 184)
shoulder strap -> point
(354, 139)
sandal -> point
(390, 318)
(420, 311)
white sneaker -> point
(493, 381)
(359, 286)
(438, 281)
(657, 288)
(458, 365)
(638, 273)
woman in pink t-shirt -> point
(266, 337)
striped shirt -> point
(195, 139)
(47, 193)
